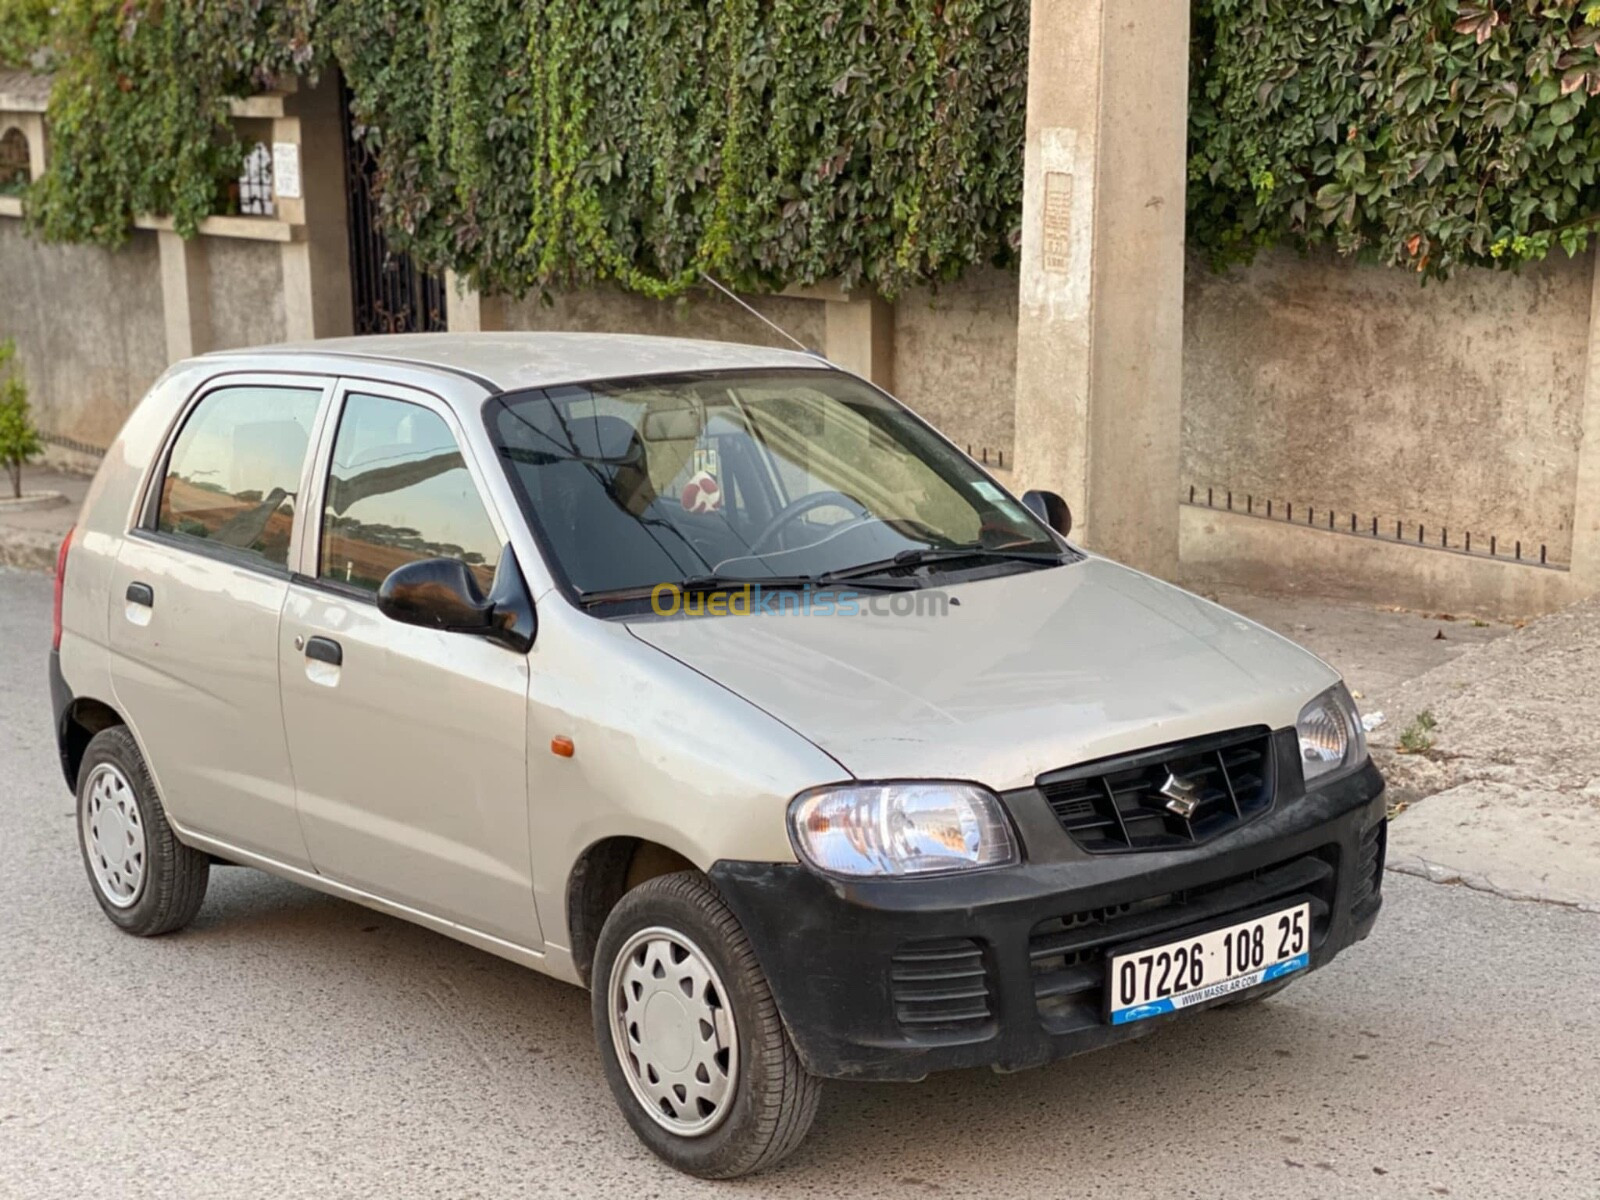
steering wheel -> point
(799, 508)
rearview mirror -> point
(443, 593)
(1051, 509)
(671, 425)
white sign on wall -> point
(286, 170)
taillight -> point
(61, 580)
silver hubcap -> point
(674, 1032)
(113, 833)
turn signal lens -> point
(898, 829)
(1332, 742)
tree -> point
(19, 440)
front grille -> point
(1067, 953)
(940, 985)
(1369, 871)
(1177, 795)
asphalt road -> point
(292, 1045)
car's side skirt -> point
(554, 961)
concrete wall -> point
(1326, 383)
(710, 316)
(88, 327)
(955, 359)
(244, 288)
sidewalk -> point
(1504, 782)
(30, 537)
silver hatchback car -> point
(707, 677)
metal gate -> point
(391, 293)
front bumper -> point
(894, 979)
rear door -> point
(408, 744)
(196, 595)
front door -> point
(408, 744)
(196, 595)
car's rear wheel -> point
(690, 1037)
(146, 880)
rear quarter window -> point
(233, 476)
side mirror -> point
(1051, 509)
(442, 593)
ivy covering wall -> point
(549, 142)
(536, 143)
(1431, 133)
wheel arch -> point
(603, 874)
(79, 721)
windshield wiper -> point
(923, 556)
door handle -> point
(325, 650)
(141, 594)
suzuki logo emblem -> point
(1183, 795)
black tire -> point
(174, 875)
(774, 1099)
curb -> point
(1416, 865)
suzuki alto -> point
(706, 677)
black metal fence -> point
(391, 293)
(1413, 533)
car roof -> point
(512, 361)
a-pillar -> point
(1100, 318)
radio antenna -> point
(769, 323)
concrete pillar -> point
(316, 266)
(1100, 319)
(1586, 494)
(858, 335)
(33, 128)
(185, 306)
(467, 310)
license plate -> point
(1152, 980)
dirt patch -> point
(1506, 789)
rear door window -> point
(398, 492)
(233, 476)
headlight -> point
(1332, 741)
(901, 829)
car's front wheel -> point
(690, 1037)
(146, 880)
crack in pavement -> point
(1421, 868)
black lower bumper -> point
(61, 705)
(894, 979)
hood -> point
(1021, 675)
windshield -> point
(750, 475)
